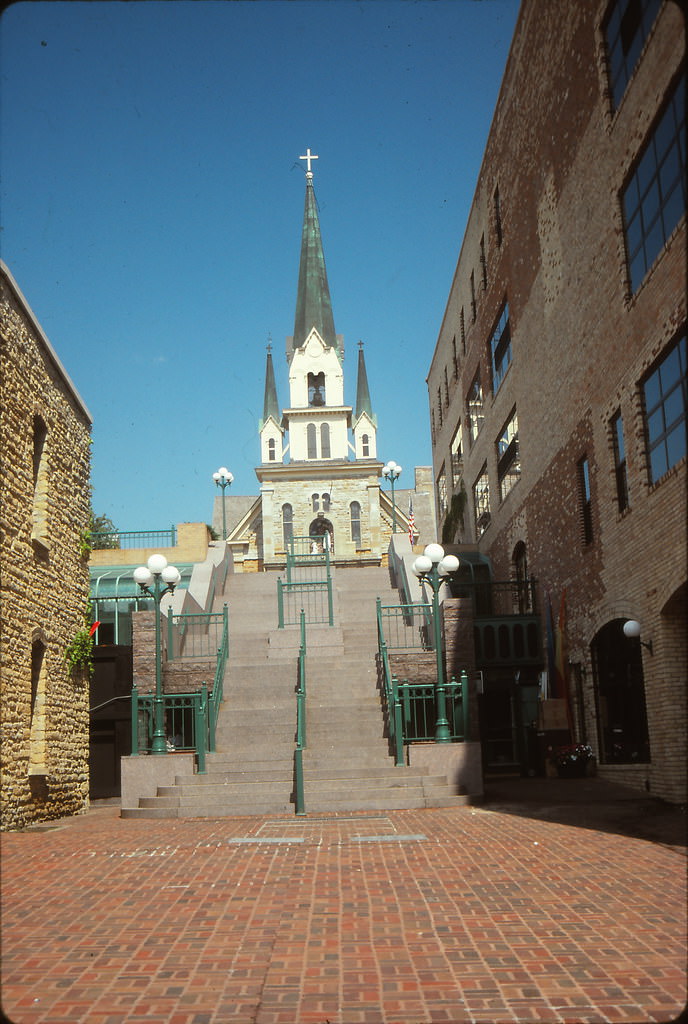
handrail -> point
(191, 717)
(299, 799)
(389, 686)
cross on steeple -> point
(308, 157)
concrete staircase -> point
(347, 764)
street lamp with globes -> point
(223, 479)
(434, 568)
(163, 578)
(392, 472)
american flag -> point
(411, 522)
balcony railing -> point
(117, 539)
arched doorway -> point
(322, 532)
(620, 694)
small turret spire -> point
(270, 403)
(363, 403)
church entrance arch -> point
(322, 532)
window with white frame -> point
(508, 457)
(481, 502)
(476, 407)
(457, 457)
(500, 349)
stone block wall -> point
(45, 448)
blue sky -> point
(152, 200)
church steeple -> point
(270, 403)
(313, 303)
(363, 403)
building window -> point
(442, 494)
(39, 524)
(500, 349)
(665, 395)
(439, 406)
(324, 440)
(620, 462)
(446, 387)
(365, 445)
(355, 515)
(433, 429)
(620, 694)
(457, 457)
(585, 500)
(326, 502)
(288, 524)
(271, 449)
(455, 358)
(508, 458)
(481, 502)
(315, 502)
(316, 389)
(473, 305)
(483, 262)
(654, 199)
(627, 27)
(476, 408)
(462, 327)
(312, 441)
(497, 216)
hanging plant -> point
(79, 651)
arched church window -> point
(312, 441)
(324, 440)
(271, 449)
(326, 502)
(315, 498)
(365, 446)
(355, 513)
(287, 524)
(316, 389)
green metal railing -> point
(406, 627)
(315, 599)
(299, 799)
(134, 539)
(196, 635)
(190, 718)
(412, 707)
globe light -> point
(449, 563)
(156, 564)
(422, 565)
(143, 576)
(435, 552)
(171, 575)
(631, 628)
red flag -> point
(411, 522)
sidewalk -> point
(504, 912)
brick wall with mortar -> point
(581, 344)
(44, 752)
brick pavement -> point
(409, 917)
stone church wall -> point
(45, 508)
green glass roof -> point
(116, 582)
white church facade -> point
(319, 472)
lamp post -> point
(631, 629)
(223, 479)
(434, 567)
(156, 573)
(392, 472)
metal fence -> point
(406, 627)
(314, 599)
(134, 539)
(198, 635)
(418, 705)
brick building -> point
(45, 448)
(558, 383)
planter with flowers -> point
(574, 761)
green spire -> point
(363, 403)
(270, 404)
(313, 304)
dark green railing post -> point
(134, 720)
(299, 799)
(173, 535)
(330, 607)
(170, 640)
(398, 726)
(201, 727)
(464, 704)
(280, 604)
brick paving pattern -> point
(409, 917)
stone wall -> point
(45, 447)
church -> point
(319, 472)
